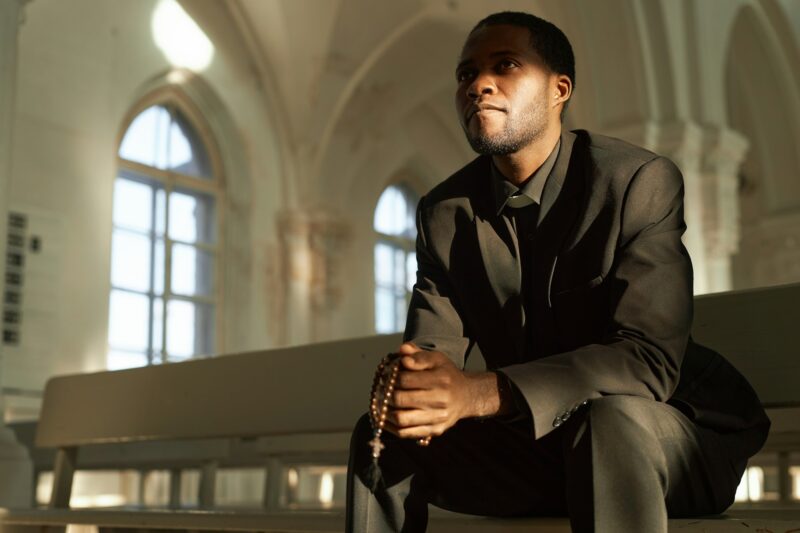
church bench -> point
(301, 403)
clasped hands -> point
(431, 394)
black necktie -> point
(525, 224)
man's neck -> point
(521, 165)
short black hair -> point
(547, 39)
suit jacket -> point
(612, 286)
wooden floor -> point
(333, 521)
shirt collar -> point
(508, 194)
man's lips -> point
(474, 108)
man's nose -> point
(481, 85)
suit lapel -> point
(560, 209)
(558, 177)
(500, 256)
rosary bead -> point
(383, 386)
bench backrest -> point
(325, 387)
(758, 331)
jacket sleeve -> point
(434, 321)
(649, 311)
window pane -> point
(394, 214)
(146, 141)
(401, 308)
(181, 329)
(383, 265)
(180, 151)
(187, 154)
(190, 329)
(390, 213)
(119, 360)
(384, 311)
(399, 268)
(129, 316)
(191, 217)
(130, 261)
(411, 271)
(133, 205)
(192, 271)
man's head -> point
(515, 76)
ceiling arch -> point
(761, 92)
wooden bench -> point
(295, 405)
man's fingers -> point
(414, 399)
(408, 418)
(417, 380)
(422, 360)
(416, 432)
(408, 348)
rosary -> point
(381, 395)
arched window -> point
(164, 253)
(395, 259)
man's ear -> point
(562, 89)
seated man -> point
(560, 254)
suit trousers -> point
(618, 464)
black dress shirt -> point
(520, 207)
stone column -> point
(329, 238)
(709, 158)
(723, 154)
(311, 243)
(15, 466)
(296, 271)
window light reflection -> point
(179, 37)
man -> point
(558, 253)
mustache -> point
(481, 106)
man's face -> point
(504, 88)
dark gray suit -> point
(612, 295)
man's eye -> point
(507, 64)
(463, 75)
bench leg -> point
(208, 482)
(175, 488)
(63, 472)
(274, 484)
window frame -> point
(176, 102)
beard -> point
(520, 130)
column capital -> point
(724, 150)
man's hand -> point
(431, 394)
